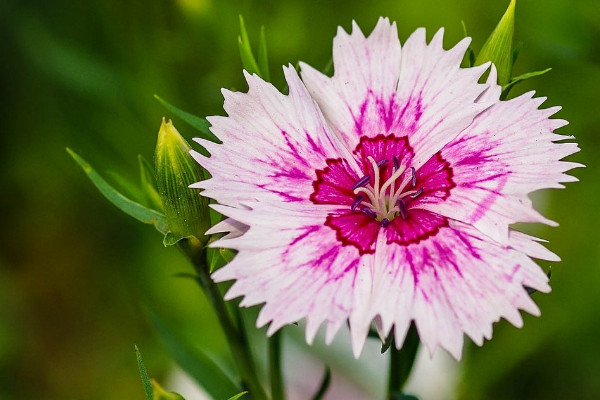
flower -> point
(384, 193)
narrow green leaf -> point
(126, 187)
(248, 61)
(144, 374)
(469, 59)
(148, 183)
(172, 239)
(328, 67)
(506, 88)
(237, 396)
(324, 384)
(263, 58)
(136, 210)
(196, 362)
(200, 124)
(389, 341)
(161, 394)
(498, 47)
(516, 52)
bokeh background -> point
(79, 279)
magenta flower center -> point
(383, 199)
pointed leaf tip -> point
(498, 48)
(128, 206)
(144, 374)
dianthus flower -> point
(384, 193)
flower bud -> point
(186, 211)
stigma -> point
(384, 200)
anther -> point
(364, 181)
(385, 222)
(413, 180)
(381, 163)
(402, 209)
(417, 194)
(357, 201)
(396, 163)
(368, 211)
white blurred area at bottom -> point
(364, 379)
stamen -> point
(391, 180)
(417, 194)
(361, 182)
(396, 164)
(413, 180)
(402, 209)
(357, 201)
(368, 211)
(385, 222)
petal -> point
(424, 94)
(453, 283)
(295, 265)
(507, 152)
(272, 145)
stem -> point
(401, 363)
(277, 391)
(237, 345)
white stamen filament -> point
(385, 205)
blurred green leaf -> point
(248, 61)
(195, 362)
(263, 57)
(469, 59)
(161, 394)
(136, 210)
(324, 384)
(172, 239)
(126, 187)
(498, 47)
(200, 124)
(148, 183)
(506, 88)
(144, 374)
(237, 396)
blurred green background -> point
(77, 277)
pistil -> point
(382, 200)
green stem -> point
(401, 363)
(277, 391)
(237, 345)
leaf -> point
(469, 59)
(263, 58)
(125, 187)
(246, 54)
(389, 341)
(237, 396)
(498, 47)
(196, 362)
(161, 394)
(324, 384)
(136, 210)
(144, 374)
(172, 239)
(506, 88)
(200, 124)
(148, 183)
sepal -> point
(185, 210)
(498, 48)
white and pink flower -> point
(384, 193)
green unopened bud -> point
(498, 48)
(158, 393)
(186, 211)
